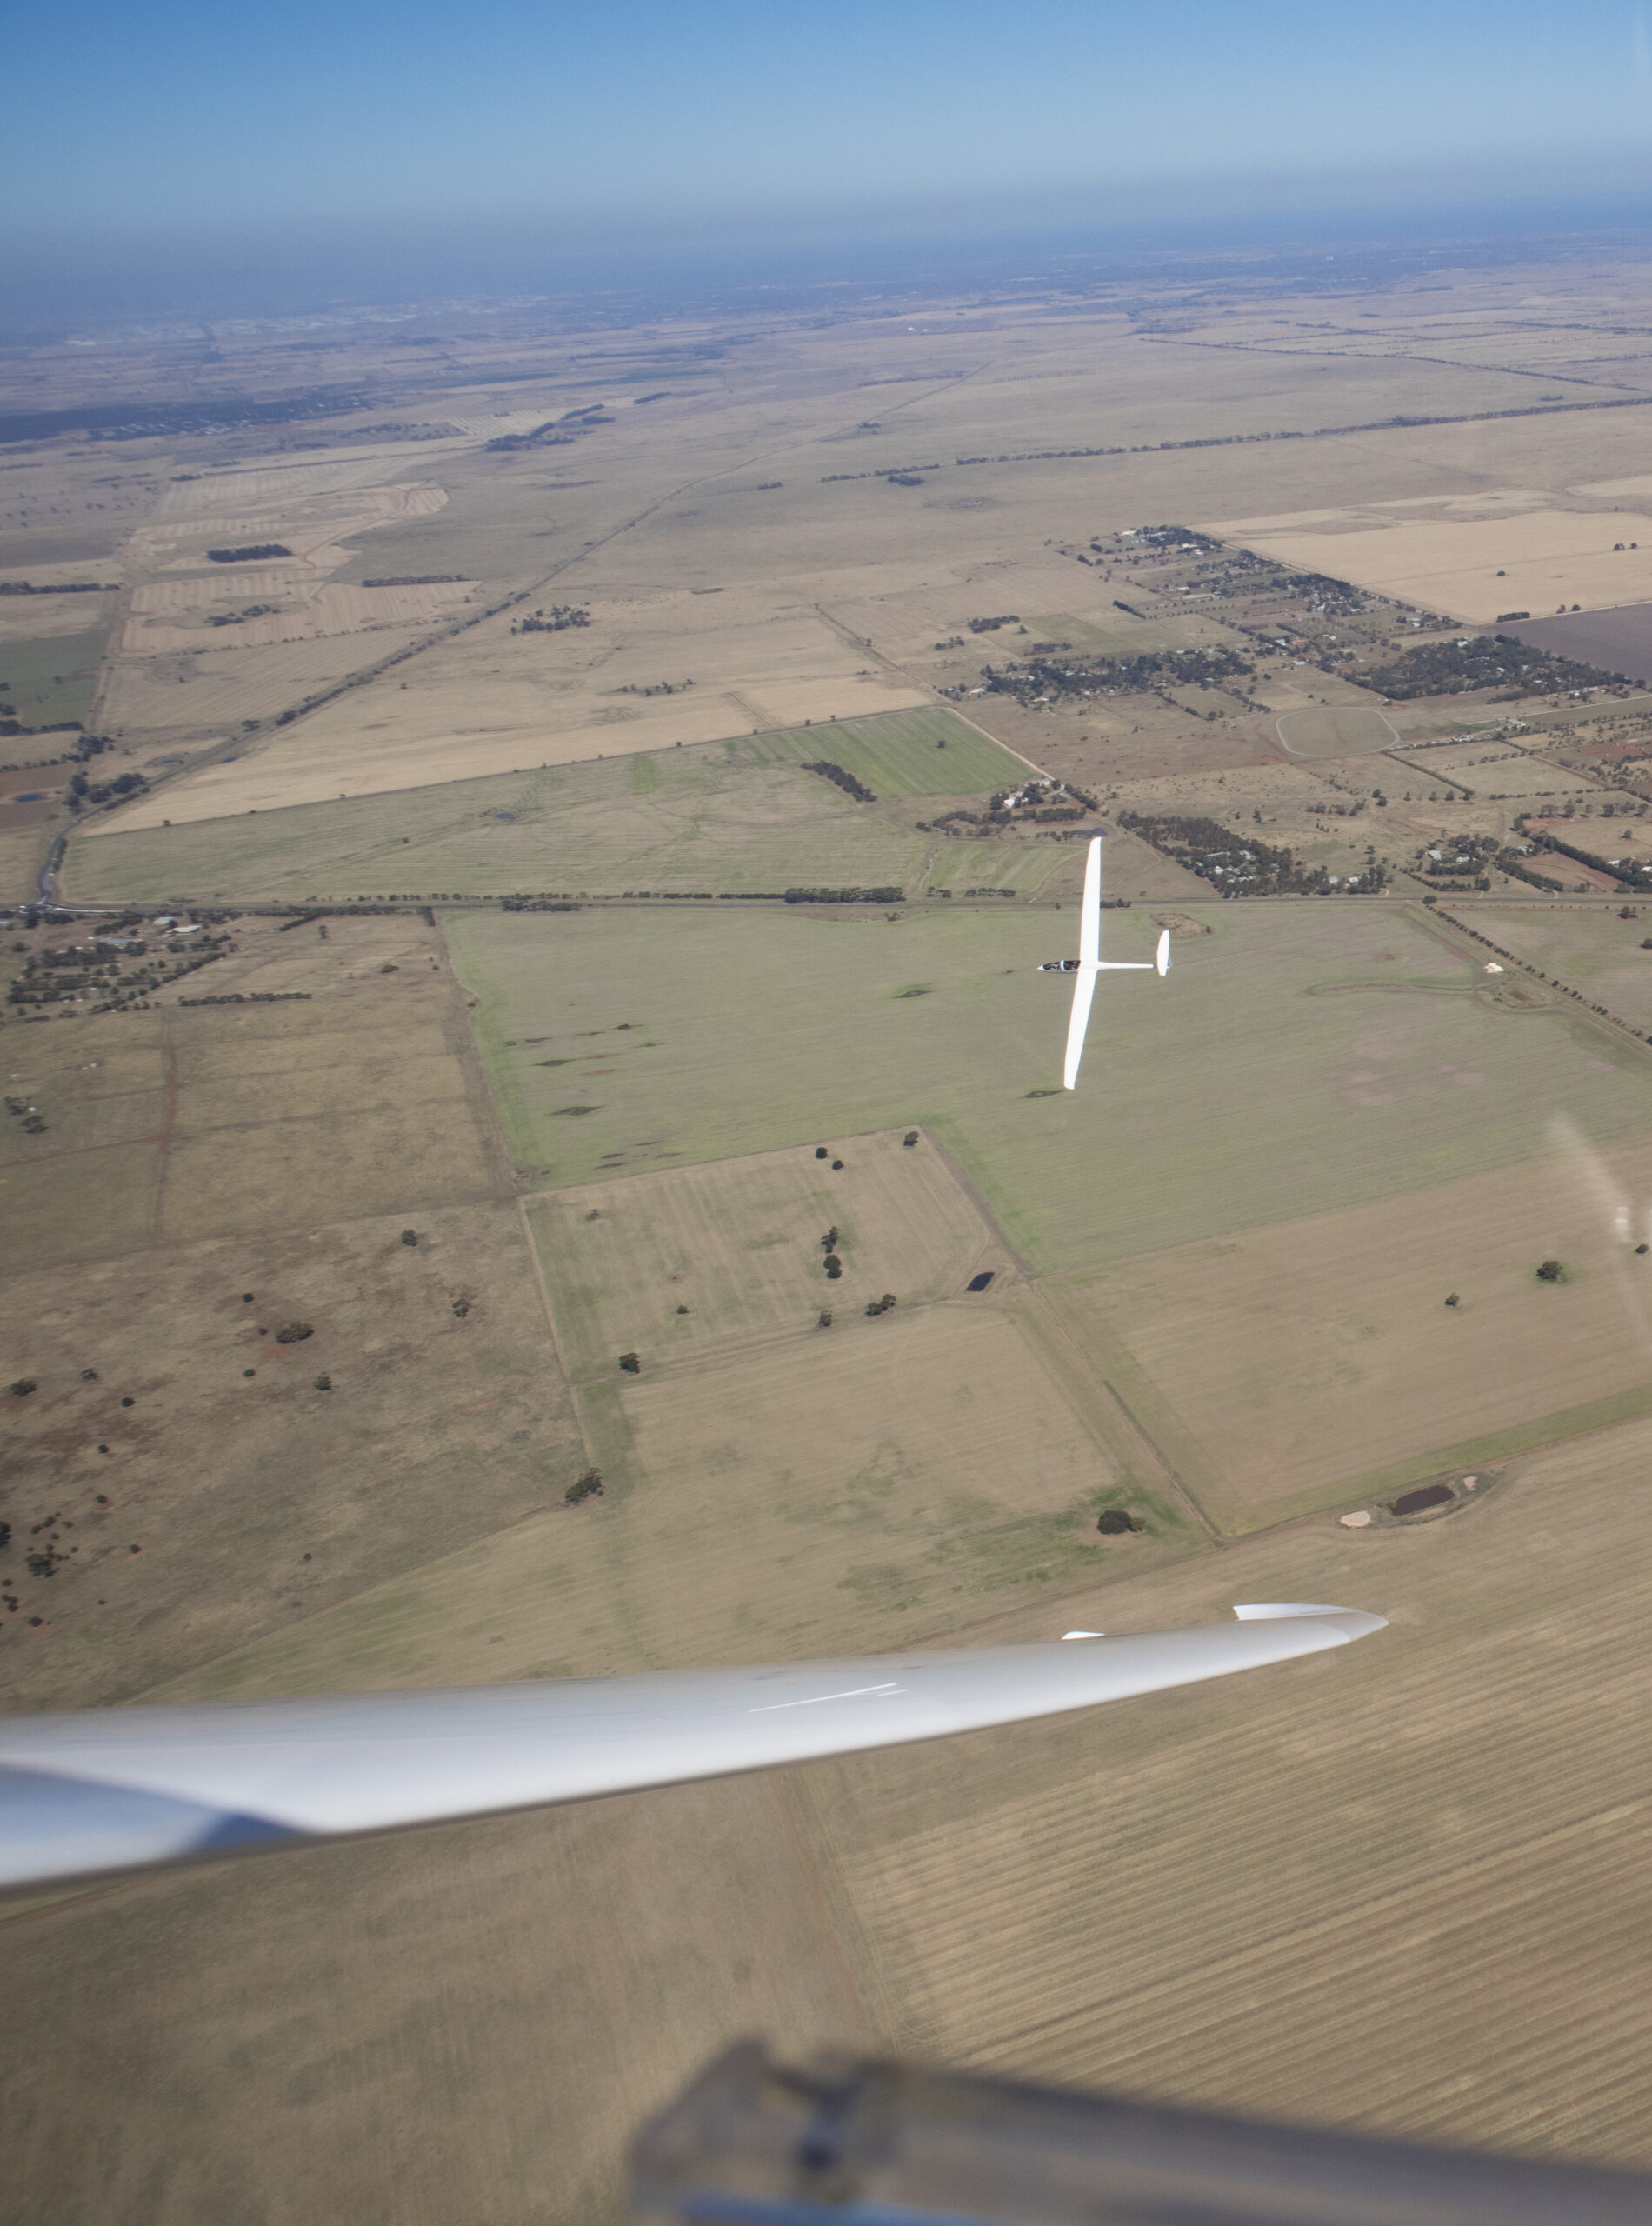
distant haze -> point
(192, 158)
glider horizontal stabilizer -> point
(129, 1787)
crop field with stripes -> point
(1400, 1887)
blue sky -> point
(629, 117)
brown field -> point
(23, 852)
(1496, 771)
(1448, 1823)
(1303, 1365)
(1472, 557)
(185, 1124)
(884, 1480)
(256, 1498)
(673, 1263)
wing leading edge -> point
(130, 1787)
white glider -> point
(130, 1787)
(1090, 962)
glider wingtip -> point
(1354, 1622)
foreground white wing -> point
(121, 1789)
(1078, 1025)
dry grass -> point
(854, 1490)
(257, 1499)
(183, 1123)
(1473, 557)
(1442, 1826)
(1299, 1366)
(672, 1263)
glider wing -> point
(1090, 925)
(1078, 1027)
(128, 1787)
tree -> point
(632, 1363)
(1550, 1272)
(409, 1237)
(293, 1334)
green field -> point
(1586, 947)
(682, 820)
(928, 753)
(1225, 1098)
(738, 815)
(53, 678)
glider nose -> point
(1163, 958)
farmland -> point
(1302, 1366)
(677, 1261)
(1473, 557)
(1588, 949)
(871, 1898)
(737, 815)
(179, 1123)
(742, 1036)
(1219, 1267)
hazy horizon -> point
(52, 290)
(188, 164)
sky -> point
(632, 119)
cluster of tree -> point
(1155, 670)
(1633, 873)
(877, 1306)
(1487, 661)
(587, 1485)
(251, 552)
(631, 1363)
(557, 620)
(138, 421)
(841, 779)
(57, 587)
(555, 433)
(1235, 868)
(1337, 598)
(886, 895)
(240, 617)
(991, 625)
(536, 905)
(834, 1266)
(84, 791)
(416, 580)
(906, 473)
(294, 1333)
(253, 997)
